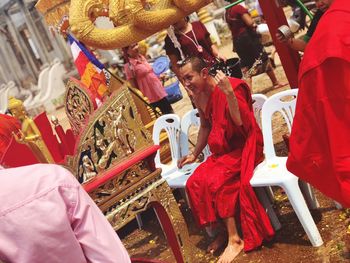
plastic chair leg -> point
(264, 199)
(185, 197)
(309, 195)
(270, 193)
(338, 205)
(139, 221)
(299, 205)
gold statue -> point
(29, 133)
(88, 168)
(134, 20)
(121, 131)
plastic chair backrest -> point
(258, 102)
(12, 89)
(191, 118)
(4, 96)
(171, 124)
(56, 85)
(43, 82)
(276, 104)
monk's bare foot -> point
(231, 251)
(218, 242)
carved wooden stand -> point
(151, 190)
(114, 162)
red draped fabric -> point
(220, 185)
(8, 124)
(319, 143)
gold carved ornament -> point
(134, 20)
(79, 104)
(114, 132)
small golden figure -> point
(89, 171)
(29, 133)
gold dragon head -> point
(134, 20)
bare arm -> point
(248, 20)
(202, 141)
(203, 134)
(296, 44)
(225, 85)
(215, 51)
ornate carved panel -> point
(114, 132)
(79, 104)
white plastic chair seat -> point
(272, 172)
(178, 178)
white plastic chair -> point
(265, 194)
(191, 118)
(258, 102)
(273, 171)
(175, 177)
(4, 94)
(12, 89)
(56, 84)
(43, 83)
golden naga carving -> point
(134, 20)
(29, 133)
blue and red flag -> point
(89, 68)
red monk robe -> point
(221, 183)
(320, 139)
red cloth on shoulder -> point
(319, 143)
(222, 183)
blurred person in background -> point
(246, 43)
(186, 39)
(141, 76)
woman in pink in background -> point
(140, 75)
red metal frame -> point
(290, 58)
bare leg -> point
(219, 240)
(271, 73)
(247, 79)
(235, 243)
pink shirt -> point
(46, 216)
(149, 84)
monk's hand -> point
(280, 37)
(223, 82)
(186, 160)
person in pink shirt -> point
(46, 216)
(141, 76)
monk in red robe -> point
(220, 187)
(320, 139)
